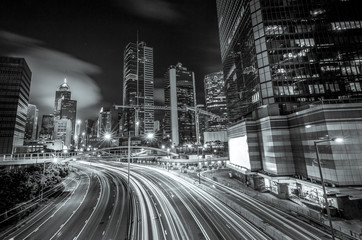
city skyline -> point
(87, 45)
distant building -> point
(104, 122)
(69, 110)
(215, 99)
(31, 125)
(180, 92)
(63, 93)
(15, 80)
(138, 88)
(65, 107)
(63, 130)
(47, 127)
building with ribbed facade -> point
(15, 80)
(215, 101)
(180, 92)
(138, 88)
(31, 125)
(293, 72)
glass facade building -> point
(31, 123)
(215, 101)
(15, 80)
(289, 64)
(289, 53)
(138, 88)
(179, 93)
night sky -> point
(83, 40)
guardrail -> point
(33, 156)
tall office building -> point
(288, 65)
(63, 131)
(69, 110)
(138, 87)
(47, 127)
(63, 93)
(215, 100)
(31, 125)
(180, 92)
(104, 122)
(15, 80)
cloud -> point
(49, 68)
(151, 9)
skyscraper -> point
(104, 122)
(288, 65)
(63, 93)
(215, 100)
(64, 107)
(15, 80)
(31, 125)
(284, 54)
(180, 92)
(69, 110)
(138, 87)
(63, 131)
(47, 127)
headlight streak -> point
(45, 211)
(237, 226)
(286, 223)
(245, 229)
(144, 201)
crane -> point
(168, 108)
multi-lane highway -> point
(160, 205)
(93, 202)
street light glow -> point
(150, 135)
(107, 136)
(338, 140)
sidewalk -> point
(351, 228)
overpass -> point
(139, 154)
(120, 153)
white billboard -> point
(239, 152)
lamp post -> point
(316, 142)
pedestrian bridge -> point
(138, 154)
(116, 153)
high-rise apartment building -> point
(180, 92)
(215, 100)
(31, 125)
(293, 72)
(15, 80)
(138, 87)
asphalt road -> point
(93, 206)
(160, 205)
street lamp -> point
(107, 137)
(316, 142)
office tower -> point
(15, 80)
(31, 123)
(69, 110)
(104, 122)
(47, 127)
(63, 93)
(215, 100)
(288, 65)
(64, 107)
(180, 92)
(63, 131)
(138, 89)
